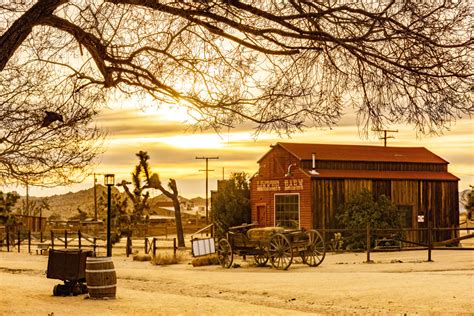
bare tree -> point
(153, 181)
(281, 64)
(57, 154)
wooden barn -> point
(302, 185)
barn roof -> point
(361, 153)
(381, 175)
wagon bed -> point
(275, 244)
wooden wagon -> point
(275, 244)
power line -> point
(385, 137)
(207, 183)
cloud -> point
(172, 146)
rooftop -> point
(304, 151)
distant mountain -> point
(198, 201)
(66, 205)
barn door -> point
(262, 215)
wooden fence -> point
(376, 240)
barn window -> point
(406, 213)
(287, 210)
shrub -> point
(362, 209)
(231, 206)
(167, 258)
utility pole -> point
(385, 137)
(207, 184)
(95, 195)
(27, 204)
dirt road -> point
(396, 283)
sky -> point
(173, 146)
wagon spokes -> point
(280, 252)
(315, 250)
(224, 253)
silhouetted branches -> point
(280, 64)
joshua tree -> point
(153, 181)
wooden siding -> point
(406, 192)
(274, 166)
(437, 197)
(320, 198)
(385, 166)
(381, 187)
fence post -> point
(52, 240)
(95, 245)
(154, 247)
(8, 238)
(368, 243)
(29, 241)
(127, 247)
(429, 240)
(65, 238)
(174, 247)
(146, 245)
(19, 242)
(79, 238)
(41, 236)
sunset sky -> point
(166, 135)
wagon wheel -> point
(280, 252)
(316, 250)
(261, 259)
(224, 253)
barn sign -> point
(277, 185)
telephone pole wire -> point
(207, 184)
(385, 137)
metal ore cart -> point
(68, 265)
(275, 244)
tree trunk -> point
(22, 27)
(179, 224)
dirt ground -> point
(396, 283)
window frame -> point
(275, 207)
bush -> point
(231, 206)
(167, 258)
(362, 209)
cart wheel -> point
(280, 252)
(261, 259)
(60, 290)
(224, 253)
(84, 289)
(56, 290)
(76, 289)
(316, 250)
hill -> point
(66, 205)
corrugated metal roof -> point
(362, 153)
(374, 174)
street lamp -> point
(109, 181)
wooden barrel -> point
(101, 277)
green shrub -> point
(362, 209)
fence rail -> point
(376, 240)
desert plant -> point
(7, 201)
(153, 181)
(469, 204)
(337, 242)
(362, 209)
(167, 258)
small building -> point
(303, 185)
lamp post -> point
(109, 181)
